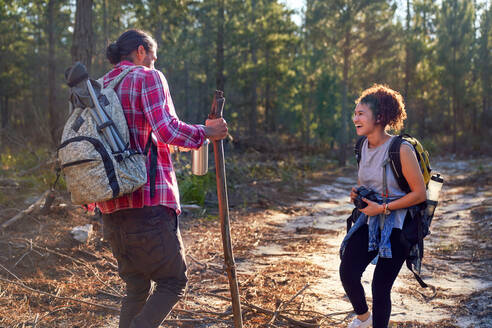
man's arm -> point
(159, 112)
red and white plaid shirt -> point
(146, 101)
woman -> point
(376, 234)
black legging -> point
(355, 260)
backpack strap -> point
(358, 148)
(120, 76)
(420, 243)
(382, 217)
(153, 162)
(416, 275)
(394, 155)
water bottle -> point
(434, 187)
(199, 159)
(433, 190)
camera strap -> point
(385, 194)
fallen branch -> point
(53, 311)
(65, 298)
(104, 259)
(333, 314)
(76, 261)
(208, 266)
(268, 312)
(282, 304)
(31, 209)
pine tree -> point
(455, 35)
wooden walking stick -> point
(216, 112)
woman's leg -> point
(354, 261)
(384, 276)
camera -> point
(363, 192)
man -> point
(142, 227)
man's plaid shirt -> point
(146, 101)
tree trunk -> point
(254, 85)
(455, 101)
(82, 35)
(5, 111)
(269, 115)
(187, 109)
(344, 132)
(269, 110)
(485, 73)
(54, 129)
(407, 64)
(422, 125)
(105, 23)
(455, 123)
(219, 77)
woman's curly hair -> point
(386, 104)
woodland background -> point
(287, 84)
(290, 80)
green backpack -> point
(415, 230)
(394, 155)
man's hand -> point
(216, 129)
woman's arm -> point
(411, 172)
(413, 175)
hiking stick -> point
(216, 112)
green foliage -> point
(299, 81)
(28, 169)
(193, 188)
(28, 174)
(431, 146)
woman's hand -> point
(353, 194)
(372, 208)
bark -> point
(254, 85)
(105, 22)
(407, 63)
(5, 111)
(269, 114)
(187, 92)
(346, 64)
(54, 129)
(485, 75)
(455, 104)
(422, 125)
(219, 78)
(82, 35)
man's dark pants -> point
(148, 246)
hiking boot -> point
(356, 323)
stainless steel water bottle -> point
(199, 159)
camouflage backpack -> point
(94, 153)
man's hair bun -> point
(113, 53)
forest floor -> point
(286, 235)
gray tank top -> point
(371, 173)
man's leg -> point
(170, 277)
(137, 286)
(137, 291)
